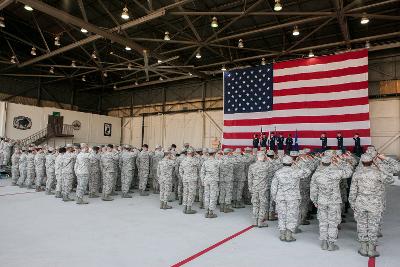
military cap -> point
(39, 147)
(205, 150)
(68, 146)
(287, 160)
(50, 148)
(190, 150)
(307, 150)
(158, 146)
(227, 150)
(294, 153)
(339, 152)
(326, 159)
(199, 150)
(270, 153)
(366, 157)
(260, 153)
(247, 149)
(238, 150)
(211, 151)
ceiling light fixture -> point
(263, 62)
(240, 44)
(51, 70)
(73, 64)
(105, 74)
(198, 55)
(57, 41)
(367, 44)
(115, 86)
(127, 48)
(214, 22)
(94, 55)
(311, 54)
(84, 30)
(13, 59)
(29, 8)
(84, 78)
(129, 66)
(125, 13)
(296, 31)
(166, 36)
(278, 6)
(223, 68)
(136, 83)
(2, 23)
(33, 51)
(364, 19)
(159, 61)
(161, 78)
(190, 74)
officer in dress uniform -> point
(339, 138)
(289, 143)
(256, 141)
(280, 141)
(272, 142)
(324, 142)
(264, 140)
(357, 145)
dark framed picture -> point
(107, 129)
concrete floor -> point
(39, 230)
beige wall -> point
(188, 127)
(91, 131)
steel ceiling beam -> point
(373, 5)
(5, 3)
(241, 13)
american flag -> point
(314, 95)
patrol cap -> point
(39, 147)
(301, 152)
(255, 149)
(307, 150)
(227, 150)
(247, 149)
(190, 150)
(158, 146)
(372, 153)
(326, 159)
(199, 150)
(84, 145)
(366, 157)
(263, 148)
(211, 151)
(371, 148)
(339, 152)
(270, 153)
(205, 150)
(68, 146)
(127, 146)
(329, 152)
(287, 160)
(50, 149)
(294, 153)
(260, 154)
(238, 150)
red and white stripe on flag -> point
(314, 95)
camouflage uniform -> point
(82, 172)
(226, 182)
(107, 164)
(7, 152)
(143, 165)
(325, 194)
(189, 171)
(238, 180)
(200, 186)
(165, 170)
(15, 167)
(30, 169)
(117, 174)
(367, 197)
(50, 171)
(67, 172)
(22, 168)
(95, 173)
(210, 176)
(155, 159)
(40, 168)
(179, 181)
(58, 173)
(127, 171)
(285, 191)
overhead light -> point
(223, 68)
(125, 14)
(311, 54)
(84, 78)
(57, 41)
(240, 44)
(159, 61)
(296, 31)
(33, 51)
(166, 36)
(105, 74)
(161, 78)
(136, 83)
(2, 23)
(214, 22)
(94, 55)
(190, 74)
(129, 66)
(278, 6)
(198, 55)
(115, 86)
(84, 30)
(127, 48)
(73, 64)
(51, 70)
(364, 19)
(13, 59)
(367, 44)
(263, 62)
(29, 8)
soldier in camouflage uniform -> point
(285, 192)
(30, 167)
(108, 168)
(50, 170)
(127, 170)
(15, 166)
(258, 186)
(58, 171)
(248, 159)
(226, 181)
(239, 175)
(189, 171)
(157, 156)
(200, 190)
(7, 148)
(210, 175)
(67, 172)
(94, 171)
(367, 197)
(143, 165)
(276, 164)
(82, 171)
(179, 192)
(22, 167)
(326, 196)
(165, 170)
(40, 168)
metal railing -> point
(34, 137)
(68, 130)
(48, 132)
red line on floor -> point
(17, 194)
(371, 262)
(211, 247)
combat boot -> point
(255, 222)
(235, 204)
(212, 215)
(207, 214)
(37, 189)
(14, 183)
(201, 205)
(80, 201)
(298, 230)
(363, 251)
(58, 194)
(379, 234)
(93, 195)
(262, 223)
(180, 200)
(48, 192)
(332, 246)
(271, 216)
(166, 206)
(107, 198)
(227, 208)
(372, 250)
(282, 235)
(289, 236)
(162, 205)
(143, 193)
(190, 211)
(305, 222)
(29, 187)
(241, 204)
(324, 245)
(113, 193)
(126, 195)
(185, 209)
(221, 207)
(21, 186)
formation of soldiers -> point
(283, 187)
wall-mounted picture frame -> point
(107, 129)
